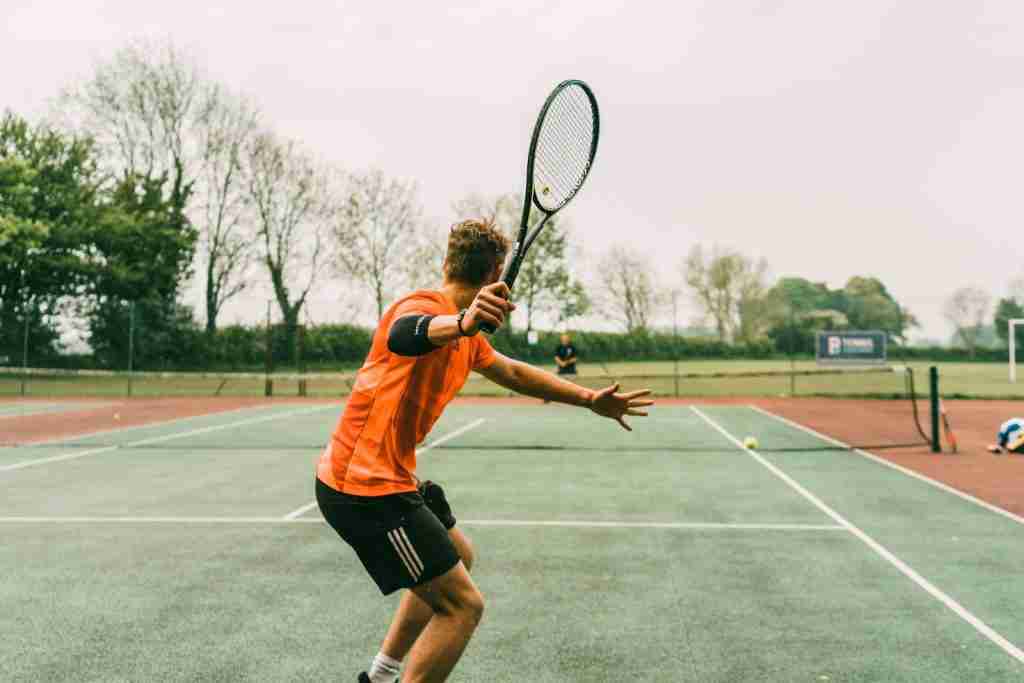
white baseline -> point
(508, 523)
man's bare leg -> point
(458, 607)
(414, 613)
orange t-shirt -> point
(395, 402)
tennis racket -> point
(562, 152)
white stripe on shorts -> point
(412, 551)
(393, 537)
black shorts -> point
(398, 538)
(571, 370)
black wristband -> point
(462, 314)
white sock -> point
(384, 669)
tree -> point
(155, 115)
(1017, 290)
(143, 108)
(1006, 310)
(544, 284)
(870, 306)
(377, 234)
(575, 303)
(295, 210)
(139, 254)
(730, 288)
(965, 310)
(49, 204)
(225, 203)
(629, 287)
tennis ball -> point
(117, 416)
(750, 443)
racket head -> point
(562, 151)
(562, 148)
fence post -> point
(300, 351)
(131, 344)
(268, 358)
(933, 380)
(675, 344)
(24, 352)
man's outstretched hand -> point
(609, 403)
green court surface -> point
(189, 551)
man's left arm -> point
(526, 379)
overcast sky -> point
(832, 138)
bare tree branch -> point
(226, 211)
(378, 233)
(730, 288)
(292, 200)
(629, 285)
(966, 310)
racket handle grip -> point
(508, 276)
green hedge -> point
(331, 347)
(611, 346)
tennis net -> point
(876, 408)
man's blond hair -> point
(475, 248)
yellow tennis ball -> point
(117, 416)
(750, 443)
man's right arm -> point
(416, 334)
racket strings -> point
(564, 148)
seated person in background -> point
(1011, 437)
(565, 356)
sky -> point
(831, 138)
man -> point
(565, 356)
(1010, 437)
(404, 533)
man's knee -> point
(468, 603)
(467, 554)
(455, 595)
(464, 546)
(472, 605)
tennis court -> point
(188, 550)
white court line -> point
(899, 468)
(156, 439)
(447, 437)
(58, 440)
(902, 566)
(651, 525)
(574, 524)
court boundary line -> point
(155, 439)
(58, 440)
(892, 465)
(298, 512)
(905, 569)
(493, 523)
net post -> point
(933, 382)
